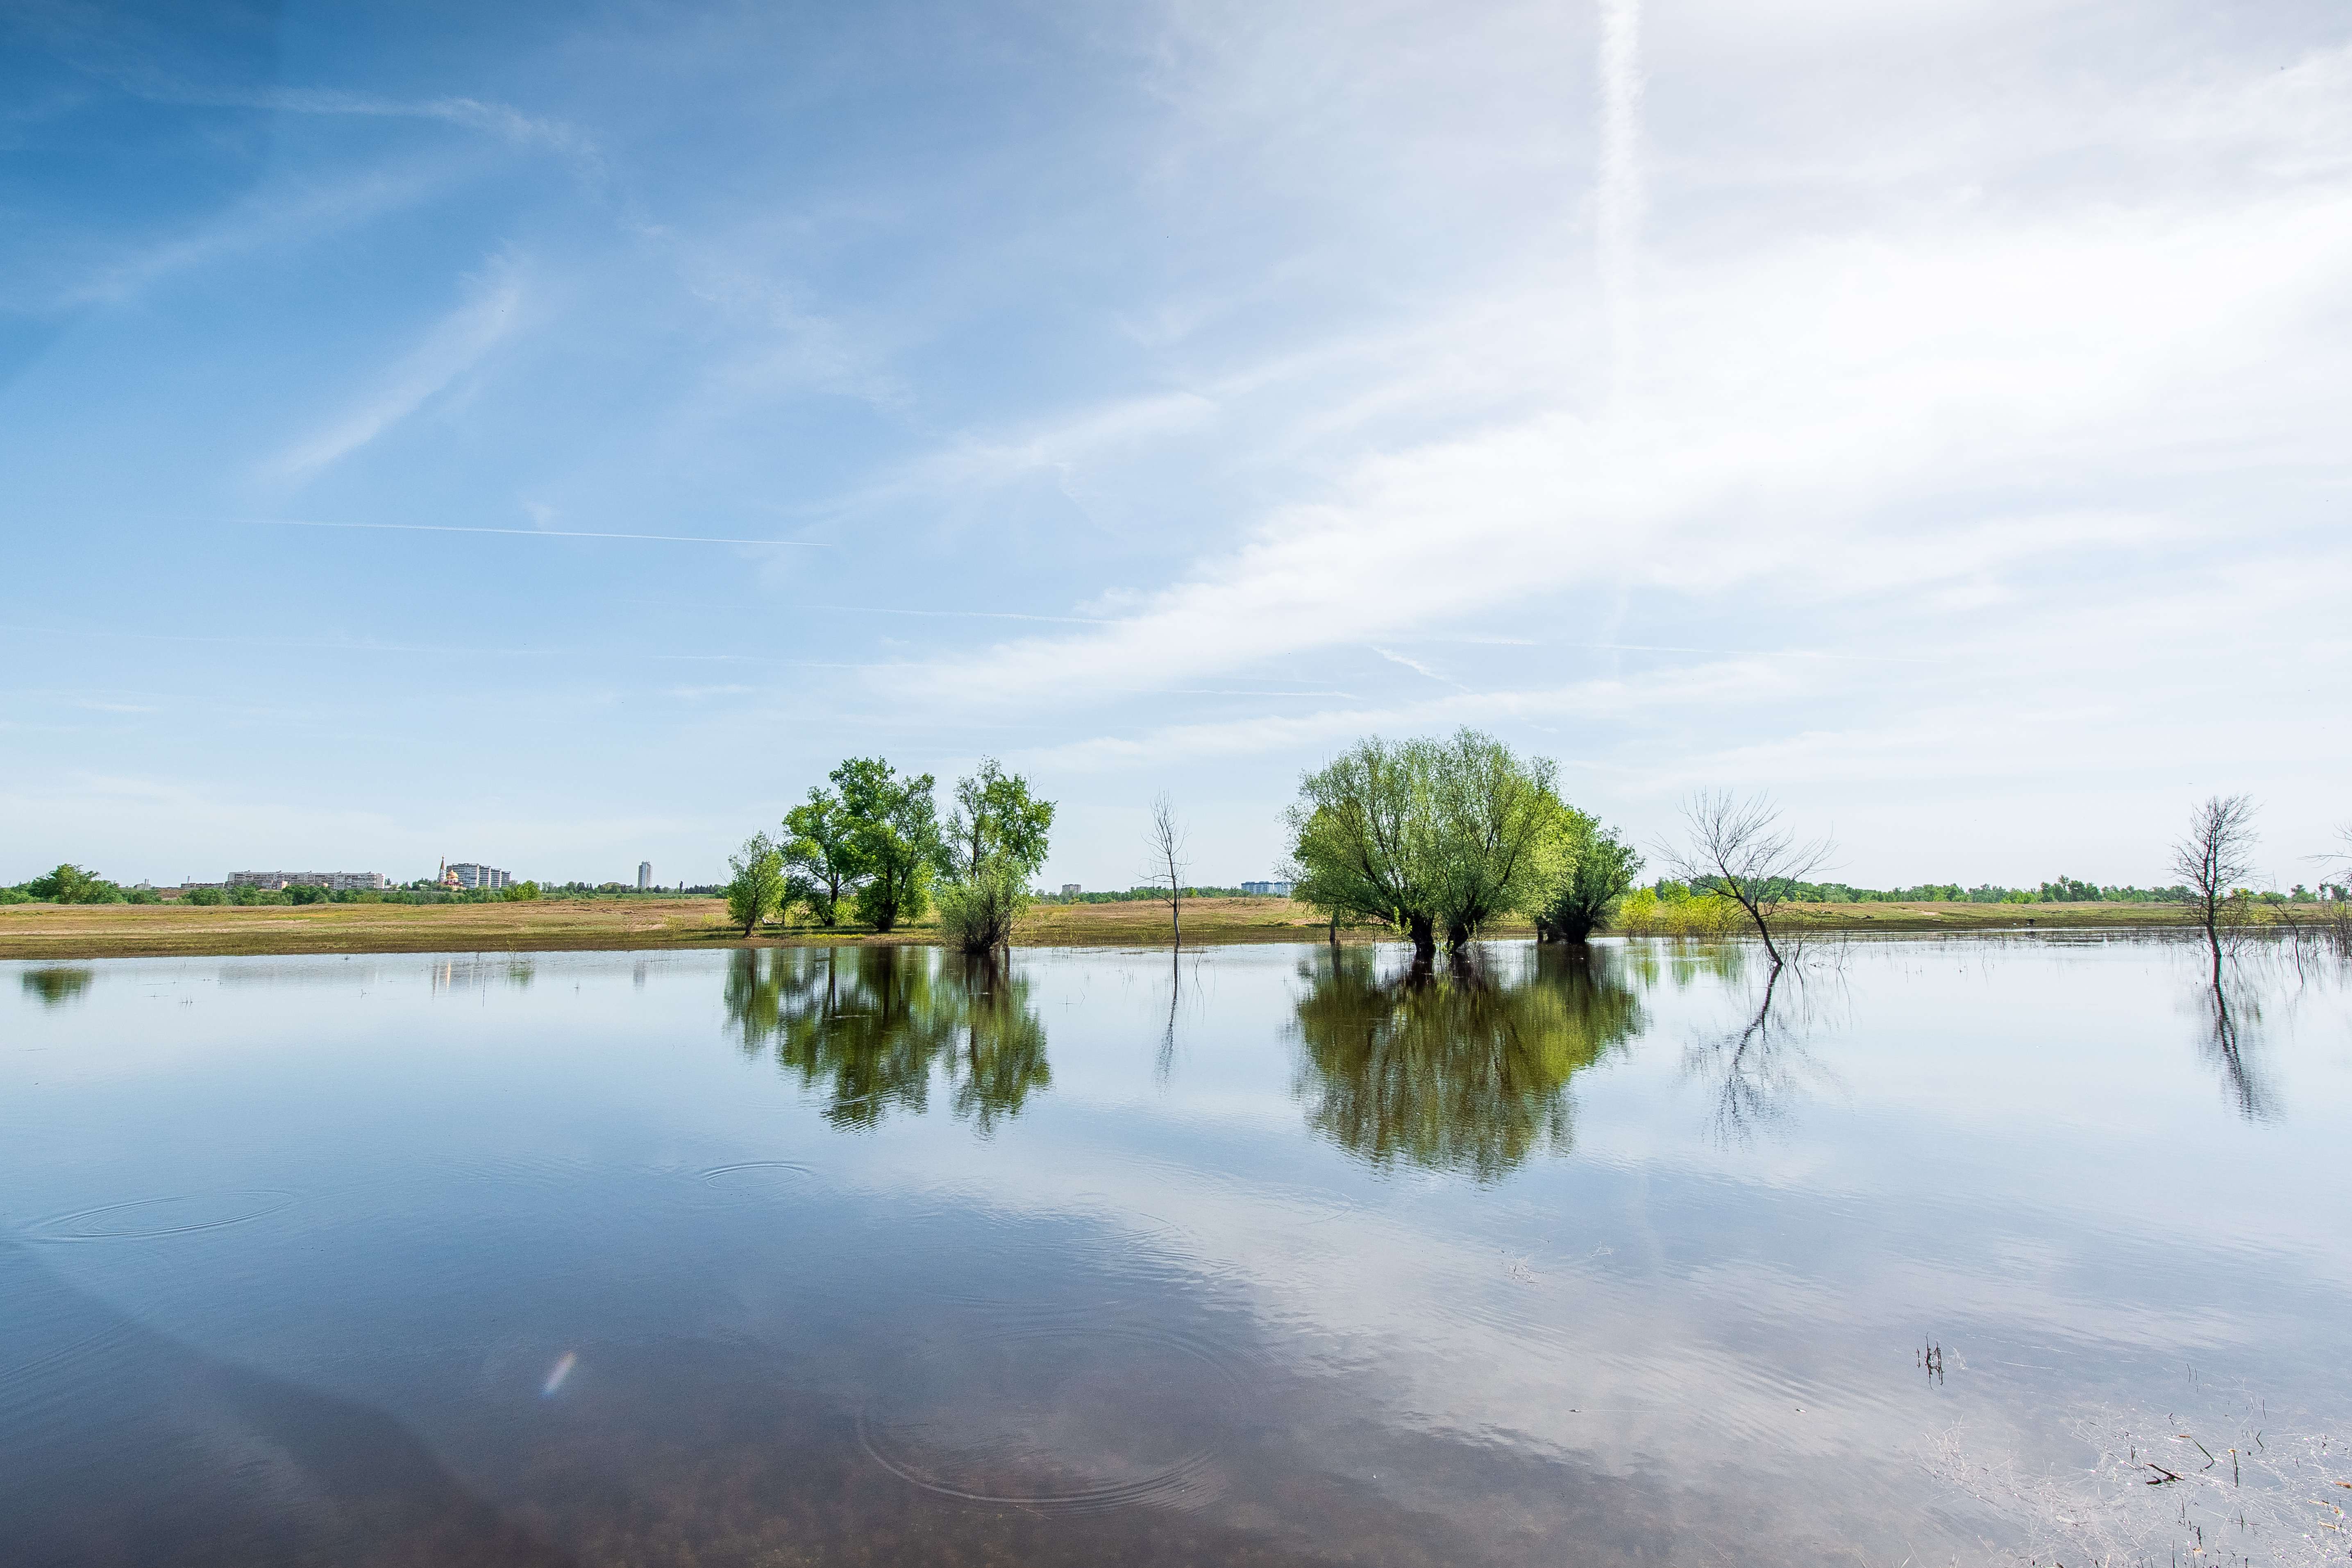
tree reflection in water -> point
(1761, 1067)
(55, 986)
(1460, 1068)
(2232, 1017)
(868, 1027)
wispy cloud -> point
(455, 345)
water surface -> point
(1258, 1255)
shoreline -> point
(75, 932)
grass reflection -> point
(868, 1028)
(1461, 1069)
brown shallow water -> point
(1262, 1255)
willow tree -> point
(1589, 871)
(1362, 837)
(1423, 836)
(1495, 813)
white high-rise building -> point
(645, 875)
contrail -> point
(1620, 191)
(534, 533)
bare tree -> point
(2213, 859)
(2341, 860)
(1738, 849)
(1166, 838)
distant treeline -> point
(72, 884)
(2061, 891)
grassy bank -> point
(124, 930)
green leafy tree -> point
(305, 893)
(757, 890)
(996, 839)
(206, 896)
(520, 892)
(70, 884)
(1592, 870)
(820, 854)
(894, 833)
(1362, 838)
(996, 821)
(1424, 835)
(1495, 814)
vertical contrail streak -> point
(1620, 193)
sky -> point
(555, 436)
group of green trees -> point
(1439, 839)
(73, 885)
(869, 843)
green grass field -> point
(123, 931)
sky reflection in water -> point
(1252, 1254)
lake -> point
(2006, 1248)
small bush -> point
(976, 913)
(1644, 913)
(14, 896)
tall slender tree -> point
(1164, 839)
(756, 893)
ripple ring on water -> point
(182, 1214)
(717, 1174)
(1176, 1482)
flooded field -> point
(1936, 1251)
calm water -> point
(1254, 1256)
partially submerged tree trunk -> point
(1422, 930)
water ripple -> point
(179, 1215)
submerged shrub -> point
(977, 911)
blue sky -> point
(1934, 415)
